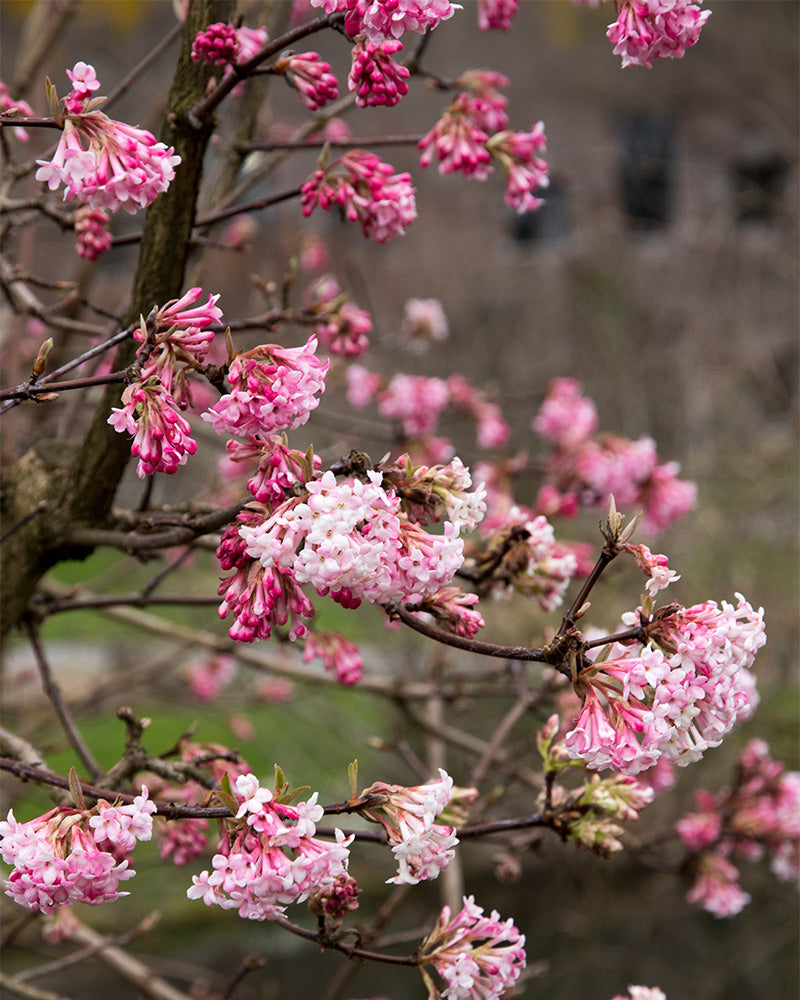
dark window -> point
(758, 188)
(646, 168)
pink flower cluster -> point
(417, 401)
(451, 609)
(178, 342)
(182, 840)
(310, 76)
(273, 388)
(91, 228)
(589, 467)
(272, 858)
(209, 676)
(381, 19)
(375, 78)
(257, 596)
(655, 29)
(460, 141)
(424, 322)
(478, 957)
(69, 856)
(352, 541)
(590, 815)
(278, 467)
(676, 696)
(496, 15)
(161, 439)
(104, 163)
(525, 171)
(222, 44)
(217, 45)
(8, 104)
(367, 190)
(759, 816)
(655, 568)
(340, 656)
(525, 557)
(174, 343)
(345, 327)
(487, 108)
(643, 993)
(422, 848)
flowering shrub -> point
(303, 526)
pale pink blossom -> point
(566, 417)
(106, 164)
(361, 385)
(758, 816)
(272, 858)
(655, 568)
(643, 993)
(415, 401)
(375, 78)
(677, 698)
(422, 848)
(526, 558)
(344, 327)
(273, 388)
(477, 957)
(258, 597)
(279, 467)
(60, 859)
(591, 466)
(424, 322)
(210, 676)
(451, 609)
(351, 540)
(717, 886)
(340, 656)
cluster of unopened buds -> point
(590, 815)
(366, 190)
(471, 136)
(759, 816)
(655, 29)
(174, 343)
(69, 856)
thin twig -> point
(15, 988)
(145, 63)
(53, 692)
(396, 610)
(325, 942)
